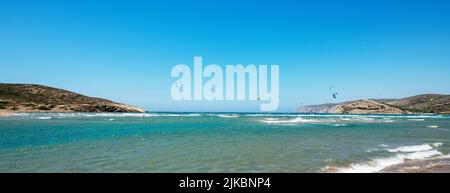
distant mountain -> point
(38, 98)
(428, 103)
(322, 108)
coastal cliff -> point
(38, 98)
(428, 103)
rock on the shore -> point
(432, 165)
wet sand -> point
(436, 165)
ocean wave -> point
(348, 115)
(296, 118)
(379, 164)
(111, 115)
(44, 118)
(326, 118)
(270, 115)
(75, 115)
(292, 121)
(180, 115)
(403, 153)
(339, 124)
(302, 119)
(228, 115)
(416, 119)
(415, 148)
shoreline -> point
(432, 165)
(4, 113)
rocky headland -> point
(428, 103)
(38, 98)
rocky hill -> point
(429, 103)
(368, 107)
(38, 98)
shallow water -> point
(217, 142)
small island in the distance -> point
(420, 104)
(37, 98)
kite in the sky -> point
(335, 95)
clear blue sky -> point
(124, 50)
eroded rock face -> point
(367, 107)
(38, 98)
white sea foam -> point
(415, 148)
(270, 115)
(44, 118)
(180, 115)
(351, 115)
(333, 117)
(414, 152)
(319, 119)
(416, 119)
(228, 115)
(433, 126)
(144, 115)
(444, 156)
(379, 164)
(104, 115)
(291, 121)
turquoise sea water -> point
(217, 142)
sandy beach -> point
(4, 113)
